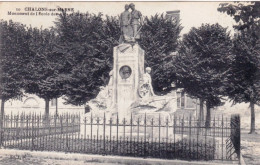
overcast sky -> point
(192, 14)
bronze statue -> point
(126, 29)
(136, 21)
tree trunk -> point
(208, 116)
(252, 128)
(56, 106)
(2, 108)
(2, 112)
(201, 113)
(47, 107)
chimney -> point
(173, 15)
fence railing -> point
(29, 126)
(235, 135)
(170, 138)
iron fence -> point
(29, 126)
(235, 136)
(168, 138)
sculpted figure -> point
(126, 29)
(136, 21)
(146, 89)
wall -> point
(33, 104)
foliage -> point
(86, 41)
(203, 62)
(159, 40)
(244, 84)
(44, 71)
(14, 49)
(202, 65)
(246, 14)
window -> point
(190, 103)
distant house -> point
(186, 105)
(33, 104)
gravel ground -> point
(250, 147)
(23, 157)
(30, 160)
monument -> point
(130, 90)
(136, 21)
(125, 26)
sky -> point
(192, 14)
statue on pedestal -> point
(136, 21)
(146, 88)
(130, 24)
(125, 27)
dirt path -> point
(250, 147)
(30, 160)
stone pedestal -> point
(127, 71)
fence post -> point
(32, 120)
(235, 134)
(190, 136)
(124, 144)
(174, 131)
(97, 124)
(110, 133)
(214, 136)
(222, 131)
(145, 135)
(91, 127)
(17, 129)
(38, 129)
(167, 134)
(239, 139)
(27, 130)
(104, 133)
(182, 132)
(131, 131)
(67, 127)
(117, 122)
(1, 129)
(11, 131)
(206, 132)
(160, 134)
(61, 131)
(152, 129)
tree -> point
(244, 83)
(44, 71)
(246, 15)
(14, 54)
(86, 41)
(202, 64)
(159, 40)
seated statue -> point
(146, 88)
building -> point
(31, 103)
(173, 15)
(186, 105)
